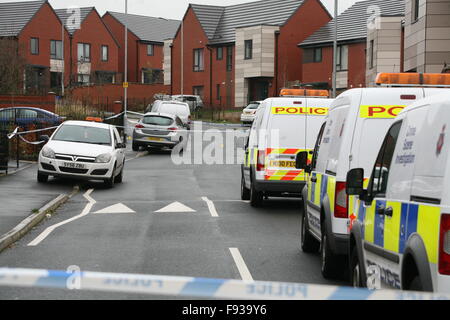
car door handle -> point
(386, 211)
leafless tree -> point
(12, 66)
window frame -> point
(219, 57)
(372, 54)
(248, 49)
(104, 46)
(54, 45)
(199, 60)
(150, 50)
(83, 59)
(37, 46)
(315, 59)
(229, 65)
(339, 60)
(415, 10)
(317, 147)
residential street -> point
(124, 233)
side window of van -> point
(317, 147)
(380, 176)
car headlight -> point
(103, 158)
(48, 153)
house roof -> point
(352, 23)
(14, 16)
(64, 15)
(146, 28)
(220, 22)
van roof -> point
(438, 98)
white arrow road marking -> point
(240, 263)
(175, 208)
(211, 207)
(50, 229)
(117, 208)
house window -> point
(342, 58)
(229, 58)
(56, 50)
(371, 54)
(415, 10)
(34, 46)
(105, 53)
(317, 55)
(55, 80)
(84, 79)
(198, 60)
(312, 55)
(150, 50)
(198, 91)
(218, 91)
(219, 53)
(84, 52)
(248, 49)
(151, 76)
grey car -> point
(160, 130)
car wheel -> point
(256, 197)
(135, 147)
(330, 264)
(119, 178)
(356, 270)
(245, 192)
(309, 243)
(42, 178)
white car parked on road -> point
(83, 150)
(249, 113)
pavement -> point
(165, 219)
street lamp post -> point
(335, 48)
(125, 85)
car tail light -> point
(173, 129)
(261, 163)
(444, 245)
(139, 126)
(341, 201)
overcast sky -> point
(171, 9)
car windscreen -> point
(180, 110)
(81, 134)
(157, 121)
(253, 106)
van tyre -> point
(416, 284)
(256, 197)
(309, 243)
(245, 192)
(42, 178)
(331, 264)
(356, 270)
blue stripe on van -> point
(379, 224)
(313, 189)
(362, 217)
(323, 187)
(411, 224)
(403, 227)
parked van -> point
(401, 226)
(176, 108)
(351, 137)
(283, 128)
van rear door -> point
(286, 138)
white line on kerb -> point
(240, 263)
(211, 207)
(50, 229)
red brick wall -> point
(42, 102)
(320, 72)
(46, 26)
(224, 78)
(310, 17)
(94, 32)
(154, 62)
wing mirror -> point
(355, 183)
(301, 161)
(121, 146)
(44, 138)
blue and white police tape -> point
(196, 287)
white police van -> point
(283, 127)
(354, 130)
(401, 233)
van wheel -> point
(356, 270)
(416, 284)
(256, 197)
(309, 243)
(135, 147)
(245, 192)
(331, 266)
(42, 178)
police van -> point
(401, 233)
(353, 132)
(283, 127)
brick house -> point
(34, 27)
(146, 38)
(93, 51)
(358, 34)
(233, 54)
(427, 36)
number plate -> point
(155, 139)
(73, 165)
(282, 164)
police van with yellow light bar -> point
(283, 127)
(353, 132)
(400, 235)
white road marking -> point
(117, 208)
(240, 264)
(175, 207)
(139, 155)
(50, 229)
(211, 207)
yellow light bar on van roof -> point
(304, 93)
(411, 79)
(94, 119)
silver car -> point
(160, 130)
